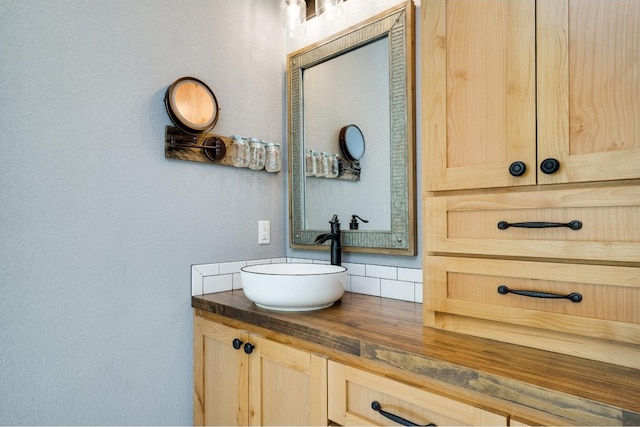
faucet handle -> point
(335, 224)
(353, 225)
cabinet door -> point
(479, 112)
(220, 375)
(588, 66)
(287, 386)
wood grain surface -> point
(387, 337)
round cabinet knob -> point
(517, 168)
(549, 166)
(248, 348)
(236, 343)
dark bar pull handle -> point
(573, 296)
(574, 225)
(375, 405)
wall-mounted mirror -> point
(191, 105)
(363, 77)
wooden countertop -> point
(387, 336)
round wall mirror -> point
(352, 143)
(191, 105)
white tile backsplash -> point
(347, 285)
(365, 285)
(369, 279)
(397, 290)
(208, 269)
(231, 267)
(196, 281)
(381, 271)
(410, 274)
(219, 283)
(260, 261)
(354, 269)
(301, 260)
(237, 281)
(418, 295)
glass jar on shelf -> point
(320, 169)
(326, 161)
(334, 167)
(240, 151)
(272, 161)
(256, 154)
(310, 163)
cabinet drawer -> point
(609, 217)
(352, 392)
(607, 307)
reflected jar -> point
(334, 167)
(240, 151)
(320, 169)
(272, 161)
(256, 154)
(326, 165)
(310, 163)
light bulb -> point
(293, 12)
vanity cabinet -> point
(242, 378)
(358, 397)
(591, 309)
(532, 173)
(524, 92)
(586, 223)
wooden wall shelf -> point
(174, 138)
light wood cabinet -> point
(531, 169)
(590, 310)
(378, 351)
(591, 223)
(245, 379)
(358, 397)
(513, 83)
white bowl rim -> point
(247, 269)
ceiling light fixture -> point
(329, 9)
(294, 14)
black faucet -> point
(334, 236)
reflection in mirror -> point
(352, 143)
(363, 76)
(363, 98)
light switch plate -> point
(264, 232)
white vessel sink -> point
(293, 286)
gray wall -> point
(97, 229)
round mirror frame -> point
(191, 105)
(352, 143)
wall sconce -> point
(294, 14)
(330, 9)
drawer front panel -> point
(518, 224)
(352, 392)
(609, 296)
